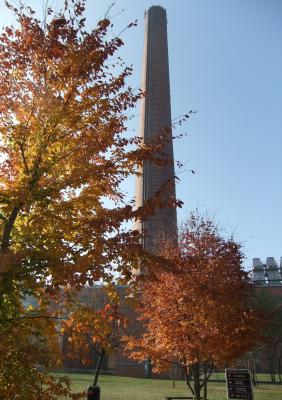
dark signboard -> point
(239, 385)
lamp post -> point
(93, 393)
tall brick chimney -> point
(156, 118)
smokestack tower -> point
(156, 118)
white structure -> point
(268, 273)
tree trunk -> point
(187, 380)
(148, 368)
(253, 371)
(279, 368)
(8, 228)
(196, 379)
(172, 374)
(205, 382)
(271, 370)
(98, 367)
(205, 387)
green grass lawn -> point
(122, 388)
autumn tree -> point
(96, 325)
(64, 149)
(28, 342)
(196, 308)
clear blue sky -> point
(225, 63)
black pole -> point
(93, 393)
(98, 367)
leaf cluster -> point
(197, 306)
(65, 149)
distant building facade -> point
(268, 273)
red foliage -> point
(196, 308)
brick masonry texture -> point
(155, 119)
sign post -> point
(238, 383)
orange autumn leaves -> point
(197, 308)
(64, 148)
(96, 326)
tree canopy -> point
(64, 150)
(196, 308)
(96, 324)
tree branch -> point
(9, 226)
